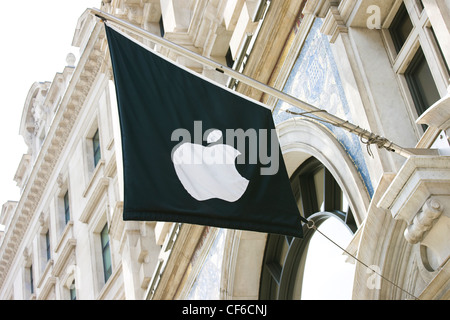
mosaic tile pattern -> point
(315, 79)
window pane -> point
(106, 253)
(326, 275)
(421, 83)
(47, 242)
(96, 147)
(31, 280)
(66, 207)
(400, 28)
(107, 268)
(426, 83)
(319, 184)
(104, 236)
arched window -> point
(312, 267)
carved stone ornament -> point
(423, 221)
(60, 180)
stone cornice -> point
(418, 179)
(334, 24)
(64, 119)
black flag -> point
(194, 152)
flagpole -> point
(323, 115)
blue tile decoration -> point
(315, 79)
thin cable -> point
(311, 225)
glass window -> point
(400, 28)
(66, 207)
(96, 147)
(423, 78)
(421, 83)
(291, 265)
(325, 274)
(106, 253)
(31, 280)
(47, 244)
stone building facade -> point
(382, 65)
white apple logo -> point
(209, 172)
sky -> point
(36, 37)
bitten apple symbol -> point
(209, 172)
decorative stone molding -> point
(98, 191)
(21, 174)
(60, 181)
(117, 223)
(67, 249)
(419, 196)
(45, 275)
(333, 24)
(47, 158)
(423, 221)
